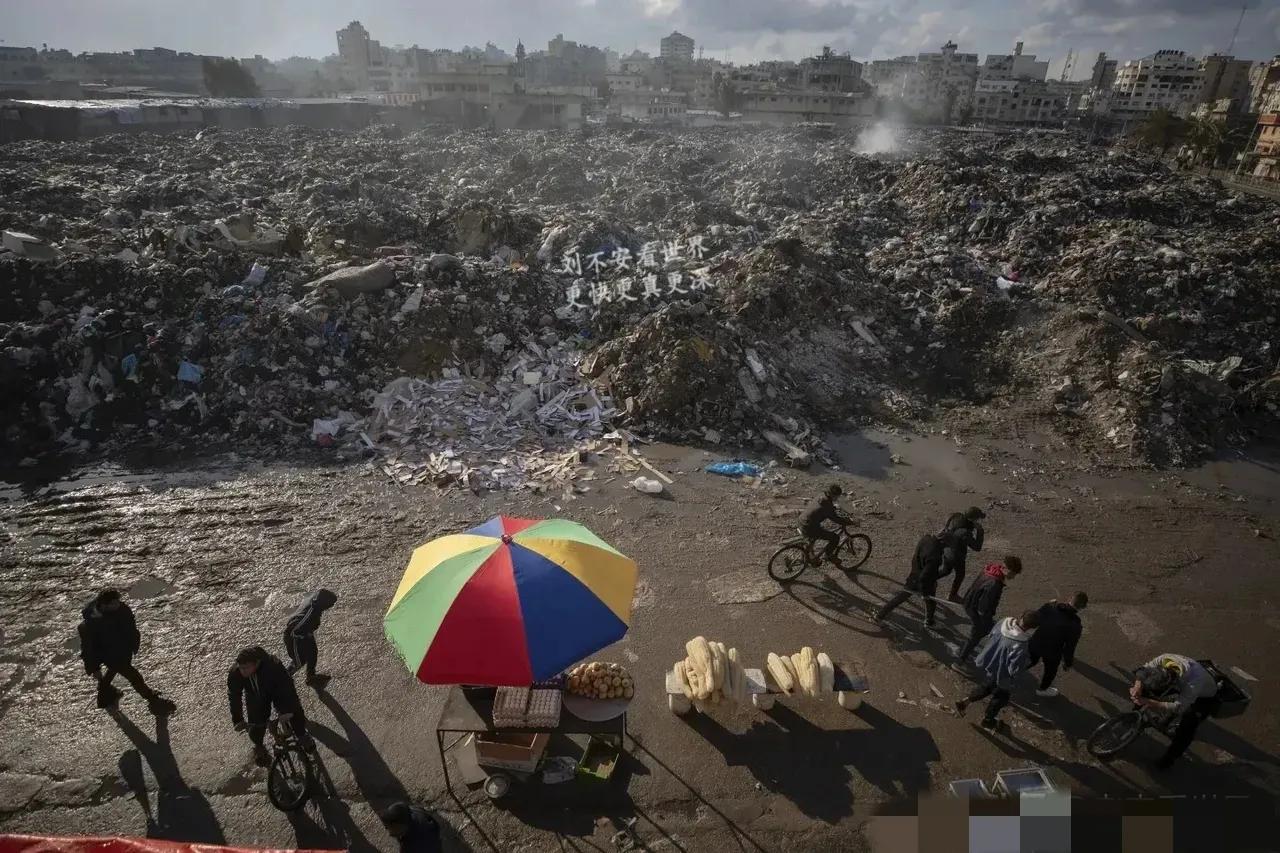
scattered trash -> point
(559, 768)
(802, 285)
(644, 484)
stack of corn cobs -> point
(711, 673)
(804, 672)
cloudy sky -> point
(739, 30)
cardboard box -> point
(519, 752)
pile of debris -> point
(482, 308)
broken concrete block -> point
(28, 246)
(443, 261)
(352, 281)
(795, 455)
(749, 386)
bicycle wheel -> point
(854, 550)
(1115, 734)
(289, 779)
(787, 563)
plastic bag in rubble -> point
(257, 275)
(736, 468)
(644, 484)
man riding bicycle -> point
(826, 511)
(256, 684)
(1176, 684)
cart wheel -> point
(497, 786)
(849, 701)
(679, 704)
(763, 701)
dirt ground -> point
(215, 553)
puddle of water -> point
(149, 587)
(870, 453)
(861, 455)
(1254, 475)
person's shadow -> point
(813, 767)
(181, 812)
(378, 784)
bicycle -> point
(290, 777)
(796, 555)
(1116, 734)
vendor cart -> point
(508, 753)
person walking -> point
(300, 634)
(926, 564)
(1054, 642)
(1001, 662)
(983, 599)
(257, 683)
(109, 640)
(968, 534)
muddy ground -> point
(216, 552)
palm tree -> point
(1161, 130)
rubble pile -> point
(486, 308)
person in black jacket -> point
(966, 527)
(983, 599)
(300, 634)
(256, 684)
(109, 639)
(413, 827)
(826, 511)
(926, 566)
(1055, 642)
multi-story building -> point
(1023, 103)
(941, 86)
(1225, 78)
(1267, 147)
(1103, 77)
(886, 75)
(358, 53)
(677, 46)
(1261, 78)
(831, 72)
(637, 62)
(1013, 66)
(649, 106)
(1165, 80)
(791, 106)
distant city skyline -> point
(738, 30)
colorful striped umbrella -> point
(510, 602)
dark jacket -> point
(423, 835)
(270, 687)
(926, 564)
(107, 636)
(306, 619)
(967, 536)
(826, 510)
(1058, 633)
(983, 597)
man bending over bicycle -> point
(256, 684)
(826, 511)
(1175, 684)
